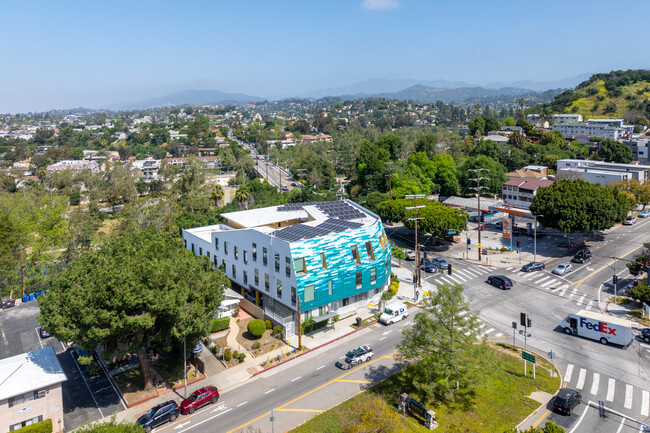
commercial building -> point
(613, 129)
(30, 390)
(601, 172)
(321, 259)
(519, 191)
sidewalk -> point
(241, 374)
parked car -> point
(43, 332)
(498, 225)
(582, 256)
(428, 266)
(644, 214)
(500, 281)
(7, 302)
(565, 400)
(440, 263)
(158, 415)
(645, 334)
(629, 220)
(563, 269)
(357, 356)
(284, 188)
(199, 398)
(519, 231)
(533, 266)
(409, 254)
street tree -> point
(493, 175)
(615, 151)
(575, 204)
(242, 196)
(141, 289)
(640, 262)
(445, 361)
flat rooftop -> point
(29, 371)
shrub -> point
(220, 324)
(227, 355)
(394, 286)
(278, 330)
(214, 348)
(269, 324)
(235, 354)
(241, 357)
(256, 345)
(44, 426)
(256, 327)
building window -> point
(193, 249)
(277, 262)
(330, 287)
(215, 261)
(31, 395)
(279, 288)
(223, 265)
(299, 266)
(265, 257)
(245, 257)
(346, 302)
(373, 275)
(185, 241)
(381, 242)
(200, 251)
(236, 253)
(370, 251)
(293, 296)
(254, 252)
(26, 423)
(287, 266)
(245, 277)
(257, 277)
(234, 271)
(225, 248)
(208, 255)
(359, 279)
(309, 293)
(216, 244)
(267, 284)
(323, 260)
(355, 254)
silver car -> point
(563, 269)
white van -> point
(394, 313)
(600, 327)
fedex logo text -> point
(598, 327)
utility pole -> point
(22, 272)
(415, 207)
(390, 181)
(340, 194)
(478, 195)
(299, 325)
(615, 277)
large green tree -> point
(441, 347)
(140, 289)
(492, 176)
(437, 218)
(575, 204)
(615, 151)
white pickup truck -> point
(357, 356)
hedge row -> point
(44, 426)
(220, 324)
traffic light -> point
(615, 279)
(449, 269)
(518, 243)
(529, 323)
(522, 319)
(415, 278)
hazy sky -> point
(62, 54)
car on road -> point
(500, 281)
(645, 334)
(409, 255)
(294, 184)
(199, 398)
(519, 231)
(43, 332)
(429, 266)
(158, 415)
(563, 269)
(284, 188)
(440, 263)
(644, 214)
(498, 225)
(357, 356)
(533, 266)
(582, 256)
(629, 221)
(565, 400)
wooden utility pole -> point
(417, 245)
(299, 325)
(478, 194)
(22, 272)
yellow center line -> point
(300, 410)
(353, 381)
(541, 419)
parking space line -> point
(84, 379)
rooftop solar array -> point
(333, 209)
(298, 232)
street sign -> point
(528, 356)
(551, 355)
(514, 325)
(506, 229)
(272, 415)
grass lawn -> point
(501, 401)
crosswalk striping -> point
(498, 334)
(563, 290)
(573, 293)
(446, 280)
(589, 304)
(610, 389)
(594, 383)
(581, 378)
(548, 283)
(645, 403)
(489, 330)
(628, 396)
(569, 372)
(458, 277)
(542, 279)
(581, 300)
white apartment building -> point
(567, 118)
(600, 172)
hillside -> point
(617, 94)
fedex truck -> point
(601, 327)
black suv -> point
(645, 334)
(566, 400)
(500, 281)
(582, 256)
(159, 414)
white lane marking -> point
(87, 386)
(573, 293)
(242, 403)
(446, 280)
(588, 307)
(628, 396)
(270, 390)
(581, 300)
(548, 283)
(206, 420)
(510, 268)
(473, 272)
(489, 330)
(322, 366)
(386, 333)
(611, 386)
(542, 279)
(454, 277)
(183, 424)
(498, 334)
(563, 290)
(584, 412)
(594, 384)
(645, 403)
(581, 378)
(620, 426)
(295, 378)
(465, 274)
(382, 338)
(569, 372)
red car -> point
(199, 398)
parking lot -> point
(85, 398)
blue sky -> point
(62, 54)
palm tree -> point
(217, 195)
(242, 196)
(521, 102)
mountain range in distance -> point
(397, 89)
